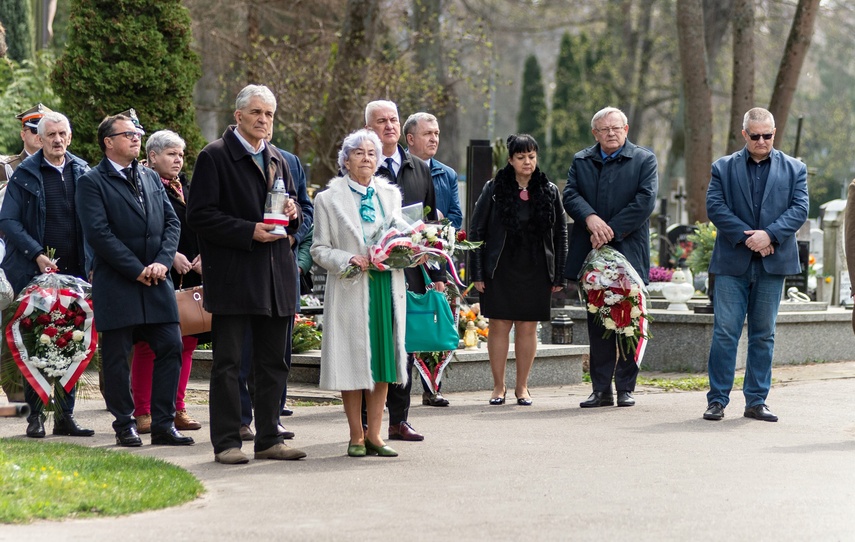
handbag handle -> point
(428, 281)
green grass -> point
(688, 383)
(45, 480)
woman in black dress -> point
(520, 218)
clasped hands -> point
(153, 274)
(601, 233)
(759, 241)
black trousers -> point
(605, 361)
(64, 400)
(269, 370)
(116, 347)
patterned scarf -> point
(175, 185)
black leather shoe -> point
(598, 399)
(624, 398)
(36, 426)
(284, 433)
(286, 411)
(171, 438)
(760, 412)
(128, 437)
(715, 411)
(67, 425)
(434, 399)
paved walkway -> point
(548, 472)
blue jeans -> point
(756, 294)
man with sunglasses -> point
(132, 229)
(32, 142)
(757, 199)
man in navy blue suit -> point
(757, 199)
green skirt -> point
(384, 366)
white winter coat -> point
(346, 348)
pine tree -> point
(17, 17)
(129, 53)
(532, 116)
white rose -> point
(628, 331)
(635, 312)
(44, 339)
(430, 233)
(77, 335)
(608, 323)
(592, 308)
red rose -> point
(596, 297)
(61, 342)
(461, 236)
(61, 322)
(51, 331)
(68, 335)
(78, 320)
(43, 319)
(27, 322)
(621, 314)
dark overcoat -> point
(622, 192)
(125, 240)
(241, 275)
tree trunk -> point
(344, 99)
(742, 91)
(791, 64)
(698, 114)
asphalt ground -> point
(551, 471)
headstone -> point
(816, 240)
(680, 246)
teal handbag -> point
(430, 324)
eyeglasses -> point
(130, 135)
(605, 131)
(33, 131)
(756, 137)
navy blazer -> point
(782, 212)
(125, 240)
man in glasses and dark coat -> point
(757, 199)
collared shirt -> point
(120, 168)
(369, 229)
(59, 167)
(612, 156)
(758, 175)
(256, 153)
(396, 162)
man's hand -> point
(197, 264)
(45, 265)
(291, 209)
(557, 289)
(261, 233)
(601, 233)
(758, 240)
(767, 251)
(181, 263)
(439, 286)
(157, 272)
(479, 285)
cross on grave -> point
(679, 197)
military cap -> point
(132, 114)
(31, 117)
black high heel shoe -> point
(499, 400)
(523, 401)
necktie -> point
(135, 185)
(390, 166)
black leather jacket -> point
(486, 225)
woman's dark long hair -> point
(507, 194)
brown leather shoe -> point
(143, 423)
(246, 433)
(183, 421)
(404, 431)
(280, 451)
(232, 456)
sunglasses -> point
(33, 131)
(756, 137)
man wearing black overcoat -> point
(250, 274)
(133, 231)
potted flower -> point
(657, 277)
(699, 259)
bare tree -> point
(795, 52)
(698, 112)
(742, 90)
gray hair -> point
(606, 111)
(757, 114)
(414, 120)
(356, 140)
(162, 140)
(375, 105)
(52, 116)
(252, 91)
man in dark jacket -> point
(133, 231)
(413, 177)
(250, 274)
(39, 213)
(610, 194)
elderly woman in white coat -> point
(363, 341)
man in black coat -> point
(413, 177)
(133, 231)
(610, 193)
(250, 274)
